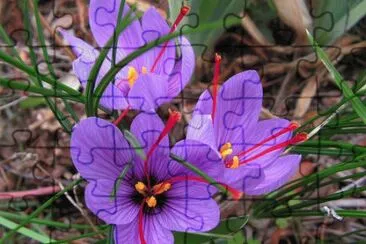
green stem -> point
(121, 26)
(31, 72)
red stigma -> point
(140, 224)
(301, 137)
(215, 83)
(121, 116)
(234, 193)
(174, 117)
(292, 126)
(183, 12)
(296, 139)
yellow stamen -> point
(144, 70)
(151, 201)
(235, 163)
(161, 188)
(140, 188)
(226, 150)
(132, 76)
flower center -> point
(132, 76)
(226, 150)
(242, 157)
(150, 194)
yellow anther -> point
(132, 76)
(235, 163)
(151, 201)
(226, 150)
(144, 70)
(161, 188)
(140, 188)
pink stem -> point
(35, 192)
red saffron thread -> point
(174, 117)
(234, 193)
(296, 139)
(215, 83)
(292, 126)
(183, 12)
(121, 116)
(140, 224)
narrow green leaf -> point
(32, 102)
(46, 56)
(18, 85)
(36, 212)
(14, 216)
(62, 119)
(31, 72)
(120, 178)
(134, 143)
(282, 197)
(223, 231)
(24, 231)
(334, 18)
(121, 26)
(347, 92)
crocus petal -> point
(112, 98)
(183, 69)
(98, 149)
(187, 210)
(238, 105)
(262, 130)
(200, 128)
(113, 210)
(154, 27)
(198, 154)
(103, 17)
(245, 177)
(147, 128)
(84, 52)
(153, 232)
(276, 174)
(148, 92)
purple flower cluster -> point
(148, 195)
(148, 81)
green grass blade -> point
(62, 119)
(89, 90)
(5, 37)
(33, 73)
(24, 231)
(347, 92)
(51, 223)
(18, 85)
(36, 212)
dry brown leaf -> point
(306, 96)
(295, 14)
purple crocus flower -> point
(251, 150)
(151, 79)
(157, 195)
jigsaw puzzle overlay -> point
(190, 135)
